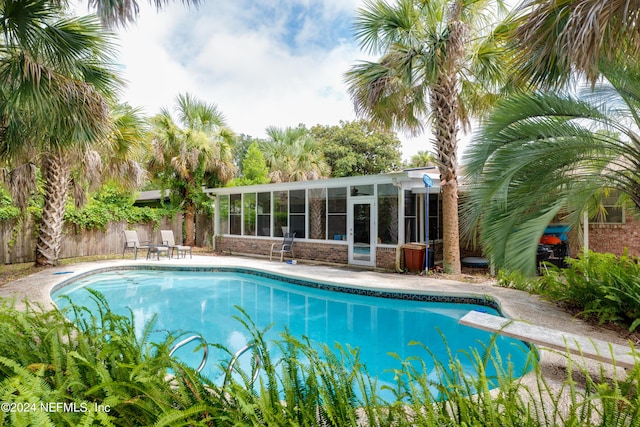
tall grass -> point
(99, 360)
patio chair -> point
(169, 240)
(132, 242)
(285, 247)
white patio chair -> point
(169, 240)
(132, 242)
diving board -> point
(579, 345)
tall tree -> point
(545, 153)
(294, 155)
(555, 38)
(56, 77)
(358, 148)
(187, 153)
(440, 62)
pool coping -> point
(416, 295)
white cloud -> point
(261, 67)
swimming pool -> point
(377, 322)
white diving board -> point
(579, 345)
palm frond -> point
(556, 36)
(542, 153)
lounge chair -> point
(169, 240)
(285, 247)
(132, 242)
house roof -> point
(408, 179)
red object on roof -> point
(550, 240)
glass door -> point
(362, 249)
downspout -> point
(400, 209)
(214, 200)
(428, 183)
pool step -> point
(619, 355)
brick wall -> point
(386, 258)
(614, 238)
(603, 238)
(313, 251)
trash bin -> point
(414, 256)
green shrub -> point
(516, 280)
(7, 208)
(604, 286)
(54, 373)
(112, 205)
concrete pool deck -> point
(514, 304)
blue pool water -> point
(204, 302)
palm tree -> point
(56, 79)
(294, 155)
(422, 158)
(123, 12)
(546, 154)
(439, 61)
(556, 37)
(127, 146)
(188, 153)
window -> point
(612, 212)
(410, 217)
(297, 213)
(224, 214)
(362, 190)
(280, 212)
(387, 214)
(435, 217)
(337, 213)
(264, 214)
(235, 214)
(249, 214)
(317, 213)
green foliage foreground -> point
(54, 373)
(603, 286)
(600, 286)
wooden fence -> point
(19, 245)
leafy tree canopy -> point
(293, 154)
(358, 148)
(254, 168)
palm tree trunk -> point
(56, 173)
(445, 110)
(444, 104)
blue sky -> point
(263, 62)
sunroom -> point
(364, 220)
